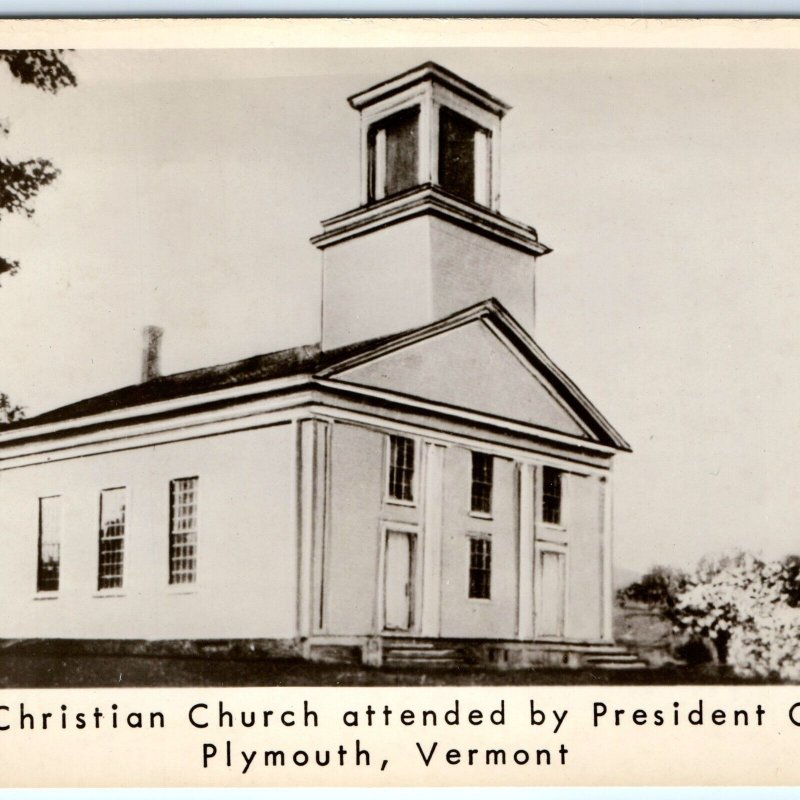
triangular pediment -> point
(480, 362)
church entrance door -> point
(399, 580)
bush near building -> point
(741, 609)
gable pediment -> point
(472, 366)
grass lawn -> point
(40, 670)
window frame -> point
(388, 498)
(382, 123)
(480, 133)
(112, 591)
(560, 524)
(185, 587)
(480, 513)
(43, 593)
(472, 538)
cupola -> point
(428, 238)
(428, 126)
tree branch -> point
(43, 69)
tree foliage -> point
(741, 607)
(21, 181)
(747, 608)
(9, 412)
(658, 588)
(791, 567)
(44, 69)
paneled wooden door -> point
(399, 581)
(551, 584)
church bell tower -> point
(427, 239)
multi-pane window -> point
(482, 472)
(480, 567)
(401, 468)
(112, 539)
(49, 548)
(551, 495)
(393, 154)
(463, 157)
(183, 530)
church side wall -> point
(246, 567)
(351, 550)
(359, 516)
(584, 504)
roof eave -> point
(429, 71)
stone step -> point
(636, 664)
(409, 644)
(335, 654)
(412, 652)
(406, 653)
(624, 657)
(617, 661)
(438, 663)
(613, 652)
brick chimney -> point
(151, 352)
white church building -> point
(423, 485)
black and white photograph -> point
(399, 366)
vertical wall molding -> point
(432, 539)
(305, 510)
(314, 448)
(607, 555)
(527, 508)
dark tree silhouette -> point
(44, 69)
(9, 412)
(791, 577)
(21, 181)
(659, 588)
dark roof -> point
(167, 387)
(311, 360)
(306, 359)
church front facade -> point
(424, 485)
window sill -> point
(552, 527)
(108, 593)
(393, 501)
(481, 515)
(182, 589)
(482, 600)
(47, 596)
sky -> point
(666, 182)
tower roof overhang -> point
(432, 200)
(429, 71)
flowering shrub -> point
(769, 647)
(742, 604)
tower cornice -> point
(429, 199)
(429, 71)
